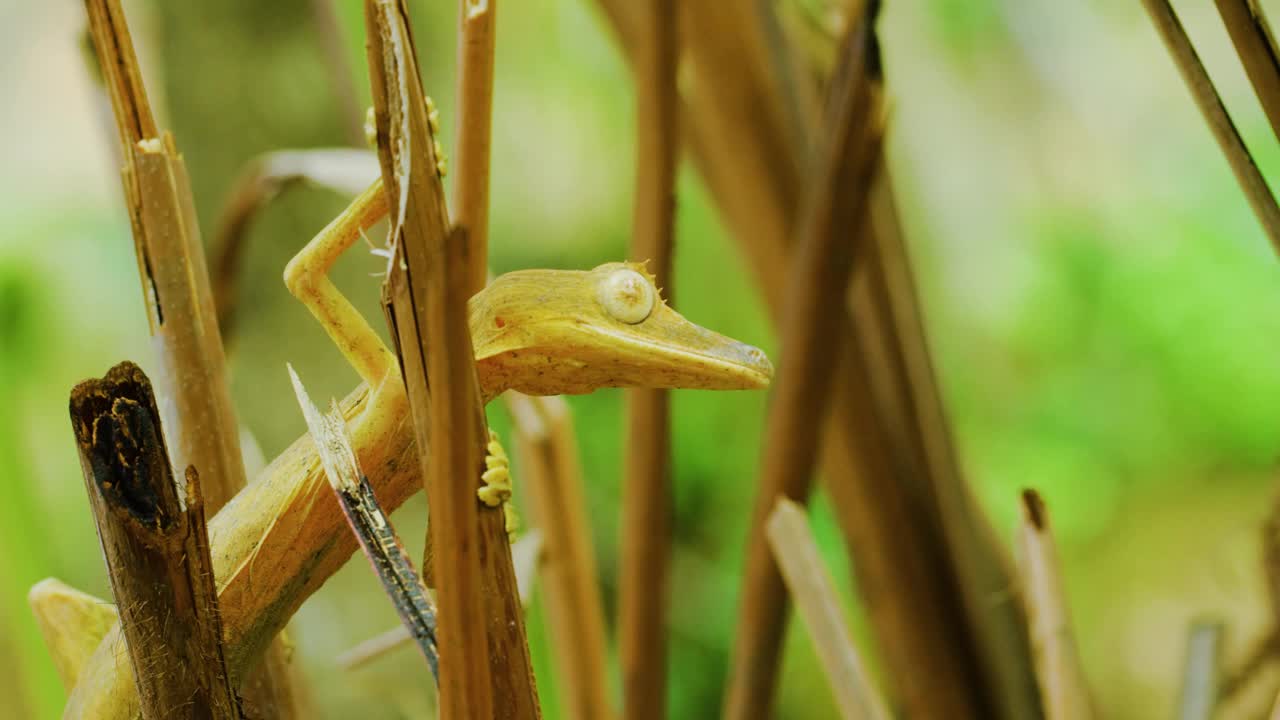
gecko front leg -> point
(497, 483)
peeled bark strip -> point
(152, 528)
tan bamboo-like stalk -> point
(191, 373)
(934, 644)
(818, 604)
(1215, 114)
(152, 528)
(547, 450)
(1062, 682)
(818, 277)
(477, 31)
(646, 493)
(486, 670)
(341, 79)
(1251, 34)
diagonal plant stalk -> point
(1251, 34)
(191, 377)
(481, 632)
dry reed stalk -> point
(646, 493)
(481, 629)
(1251, 34)
(546, 447)
(1215, 114)
(836, 201)
(818, 604)
(1200, 675)
(153, 534)
(72, 624)
(191, 374)
(1062, 683)
(341, 80)
(885, 505)
(476, 34)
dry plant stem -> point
(191, 374)
(1251, 34)
(476, 33)
(889, 516)
(487, 667)
(1199, 695)
(1062, 683)
(818, 277)
(371, 526)
(646, 494)
(819, 606)
(152, 529)
(1215, 114)
(72, 624)
(546, 447)
(341, 80)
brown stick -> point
(1251, 34)
(154, 538)
(487, 667)
(1062, 683)
(341, 79)
(175, 282)
(646, 501)
(548, 454)
(819, 275)
(819, 606)
(476, 34)
(1215, 114)
(938, 661)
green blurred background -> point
(1105, 310)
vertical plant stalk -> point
(931, 642)
(1251, 34)
(546, 447)
(154, 538)
(486, 671)
(476, 34)
(333, 47)
(191, 374)
(1062, 682)
(818, 277)
(818, 603)
(1215, 114)
(646, 496)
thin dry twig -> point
(476, 34)
(1062, 683)
(646, 495)
(818, 603)
(818, 276)
(370, 525)
(1215, 114)
(341, 80)
(1251, 34)
(175, 282)
(152, 528)
(481, 624)
(546, 448)
(940, 660)
(1200, 674)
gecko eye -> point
(627, 296)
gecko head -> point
(548, 332)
